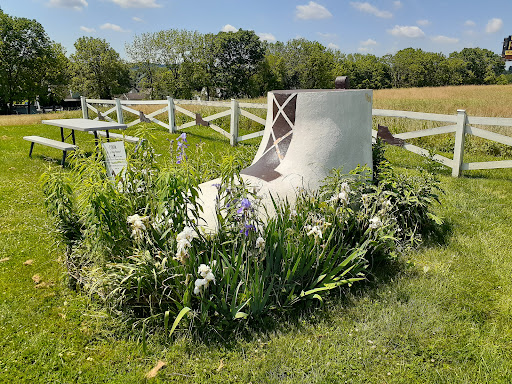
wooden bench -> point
(130, 139)
(64, 147)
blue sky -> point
(375, 26)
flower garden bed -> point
(136, 244)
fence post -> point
(235, 113)
(458, 150)
(120, 118)
(171, 113)
(85, 112)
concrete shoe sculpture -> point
(307, 133)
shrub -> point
(137, 244)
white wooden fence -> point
(461, 128)
(461, 125)
(172, 106)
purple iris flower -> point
(247, 228)
(245, 205)
(180, 142)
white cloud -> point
(423, 23)
(444, 39)
(267, 37)
(113, 27)
(75, 4)
(137, 19)
(333, 46)
(363, 49)
(312, 11)
(368, 42)
(327, 35)
(407, 31)
(229, 28)
(494, 25)
(470, 23)
(136, 3)
(86, 29)
(397, 4)
(368, 8)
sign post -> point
(115, 158)
(507, 48)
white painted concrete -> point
(332, 129)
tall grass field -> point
(439, 313)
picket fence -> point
(462, 125)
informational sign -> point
(507, 48)
(115, 158)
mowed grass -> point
(440, 314)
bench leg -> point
(31, 149)
(64, 153)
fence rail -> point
(461, 128)
(462, 125)
(172, 106)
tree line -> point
(185, 64)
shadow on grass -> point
(438, 235)
(495, 174)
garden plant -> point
(137, 244)
(434, 313)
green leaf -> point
(182, 313)
(241, 315)
(166, 321)
(319, 298)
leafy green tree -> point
(56, 78)
(455, 71)
(236, 58)
(172, 62)
(144, 53)
(26, 54)
(97, 70)
(265, 79)
(309, 65)
(364, 71)
(408, 68)
(190, 58)
(482, 65)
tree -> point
(301, 63)
(482, 65)
(408, 68)
(266, 78)
(364, 71)
(144, 53)
(173, 62)
(309, 65)
(26, 54)
(97, 69)
(236, 57)
(54, 85)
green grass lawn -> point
(440, 314)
